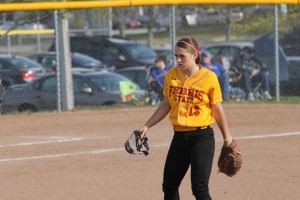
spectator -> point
(157, 75)
(217, 67)
(253, 72)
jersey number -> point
(194, 111)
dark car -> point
(114, 52)
(292, 87)
(78, 60)
(16, 69)
(138, 74)
(90, 89)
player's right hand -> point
(143, 130)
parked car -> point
(113, 52)
(160, 21)
(32, 26)
(90, 89)
(15, 69)
(78, 60)
(292, 87)
(7, 25)
(237, 15)
(138, 74)
(164, 21)
(131, 22)
(210, 17)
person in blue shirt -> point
(157, 75)
(218, 68)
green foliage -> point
(263, 24)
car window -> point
(46, 61)
(139, 51)
(214, 50)
(110, 53)
(79, 59)
(129, 74)
(138, 76)
(49, 84)
(4, 65)
(49, 62)
(24, 63)
(230, 52)
(109, 82)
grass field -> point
(205, 33)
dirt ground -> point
(79, 155)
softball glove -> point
(230, 160)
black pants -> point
(195, 149)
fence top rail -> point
(126, 3)
(27, 32)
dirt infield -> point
(79, 155)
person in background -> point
(217, 67)
(252, 72)
(192, 99)
(157, 75)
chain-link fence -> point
(118, 46)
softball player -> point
(193, 101)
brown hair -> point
(190, 44)
(160, 58)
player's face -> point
(185, 59)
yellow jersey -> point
(191, 97)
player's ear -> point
(196, 55)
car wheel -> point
(27, 108)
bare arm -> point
(221, 120)
(160, 113)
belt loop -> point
(201, 128)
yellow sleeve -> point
(215, 93)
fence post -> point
(64, 62)
(276, 53)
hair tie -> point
(193, 47)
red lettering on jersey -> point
(191, 93)
(190, 99)
(176, 90)
(177, 97)
(183, 91)
(199, 94)
(194, 110)
(186, 95)
(171, 91)
(183, 99)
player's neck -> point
(193, 70)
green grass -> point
(204, 33)
(282, 100)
